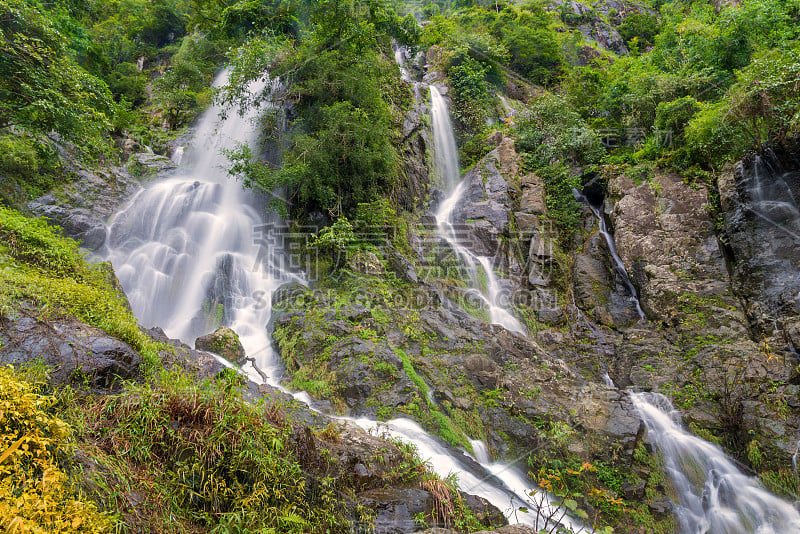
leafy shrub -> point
(673, 116)
(41, 88)
(18, 158)
(340, 150)
(554, 138)
(470, 91)
(764, 99)
(35, 493)
(711, 139)
(551, 130)
(640, 26)
(219, 460)
(562, 208)
(532, 45)
(338, 237)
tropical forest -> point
(386, 266)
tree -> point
(41, 88)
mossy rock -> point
(224, 342)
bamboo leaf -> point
(11, 449)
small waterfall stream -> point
(184, 251)
(446, 159)
(715, 496)
(619, 266)
(771, 198)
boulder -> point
(74, 352)
(666, 240)
(146, 166)
(78, 223)
(82, 207)
(482, 215)
(396, 509)
(482, 371)
(223, 342)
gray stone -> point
(483, 212)
(74, 352)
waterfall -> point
(715, 497)
(771, 197)
(619, 267)
(446, 160)
(192, 251)
(183, 247)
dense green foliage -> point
(340, 149)
(41, 88)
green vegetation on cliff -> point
(47, 274)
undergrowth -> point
(207, 457)
(36, 493)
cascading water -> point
(184, 251)
(715, 497)
(183, 248)
(619, 267)
(771, 197)
(446, 160)
(500, 484)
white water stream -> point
(184, 249)
(715, 496)
(765, 188)
(619, 267)
(446, 159)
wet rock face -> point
(414, 147)
(484, 208)
(597, 288)
(76, 353)
(146, 167)
(762, 229)
(666, 240)
(83, 207)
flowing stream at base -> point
(192, 252)
(715, 497)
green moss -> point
(408, 367)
